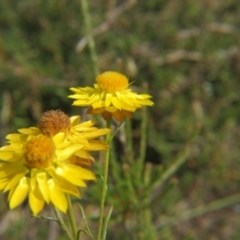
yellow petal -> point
(84, 162)
(42, 181)
(116, 103)
(82, 154)
(73, 89)
(36, 201)
(127, 101)
(129, 106)
(58, 138)
(8, 169)
(85, 125)
(97, 145)
(94, 98)
(80, 172)
(33, 180)
(68, 152)
(111, 109)
(82, 103)
(70, 177)
(57, 197)
(108, 99)
(16, 179)
(16, 146)
(98, 104)
(86, 102)
(29, 131)
(66, 186)
(96, 133)
(5, 155)
(19, 193)
(77, 138)
(63, 145)
(75, 120)
(16, 137)
(147, 102)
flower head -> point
(38, 167)
(54, 121)
(84, 133)
(110, 96)
(48, 162)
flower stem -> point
(71, 217)
(148, 230)
(104, 188)
(62, 223)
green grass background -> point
(187, 53)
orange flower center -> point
(112, 82)
(39, 152)
(53, 122)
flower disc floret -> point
(53, 122)
(112, 82)
(39, 152)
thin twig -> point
(88, 231)
(106, 223)
(71, 217)
(104, 187)
(62, 223)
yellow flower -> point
(83, 133)
(37, 166)
(45, 163)
(110, 96)
(55, 121)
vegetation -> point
(186, 55)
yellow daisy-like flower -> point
(45, 163)
(110, 96)
(38, 167)
(83, 133)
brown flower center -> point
(39, 152)
(53, 122)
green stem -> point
(147, 226)
(62, 223)
(88, 27)
(106, 223)
(71, 217)
(88, 231)
(104, 188)
(199, 211)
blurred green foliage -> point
(188, 54)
